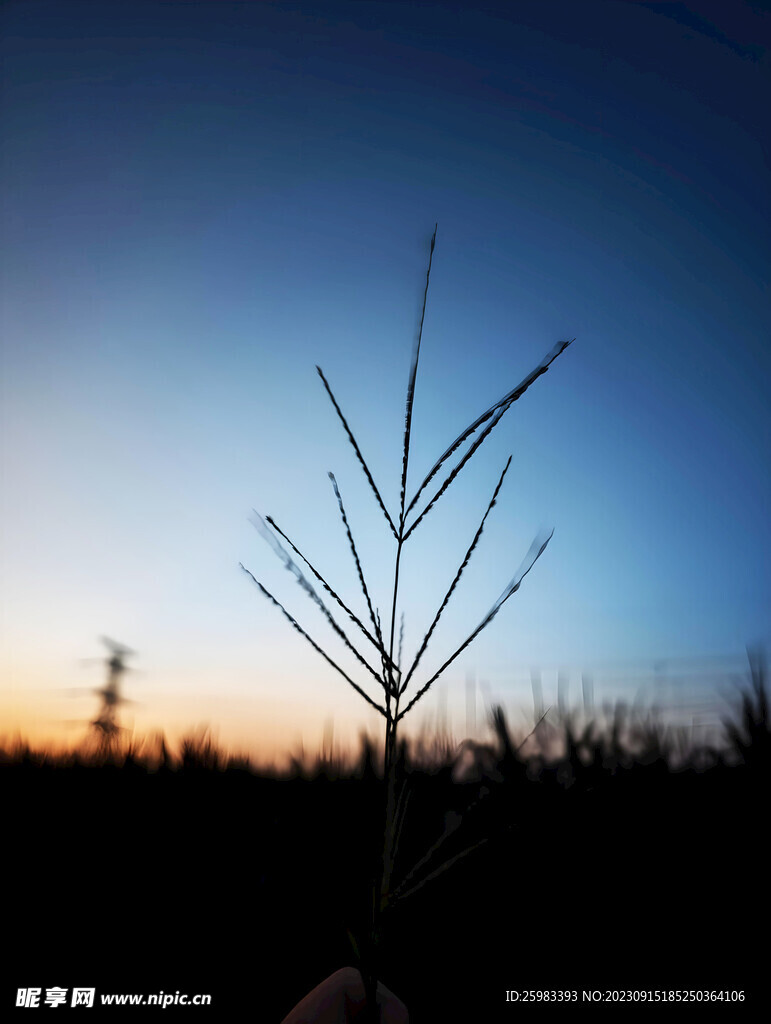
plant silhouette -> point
(392, 700)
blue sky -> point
(203, 201)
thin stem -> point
(393, 606)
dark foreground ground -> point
(603, 872)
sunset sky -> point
(201, 201)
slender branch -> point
(411, 381)
(360, 457)
(387, 681)
(378, 644)
(296, 625)
(456, 470)
(530, 559)
(406, 453)
(354, 552)
(534, 729)
(297, 573)
(506, 401)
(400, 894)
(454, 583)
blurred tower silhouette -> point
(105, 725)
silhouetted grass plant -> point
(392, 682)
(749, 734)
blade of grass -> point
(296, 625)
(400, 895)
(405, 889)
(536, 550)
(534, 730)
(452, 824)
(359, 456)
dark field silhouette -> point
(613, 863)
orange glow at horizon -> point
(264, 730)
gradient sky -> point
(201, 201)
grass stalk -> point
(392, 680)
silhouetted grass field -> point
(617, 861)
